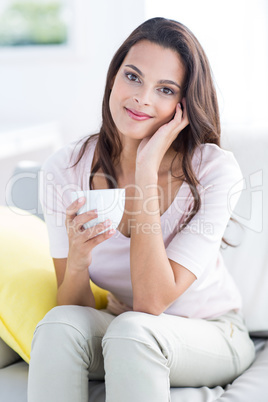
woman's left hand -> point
(152, 149)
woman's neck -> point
(127, 163)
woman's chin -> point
(137, 134)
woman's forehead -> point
(151, 58)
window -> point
(34, 23)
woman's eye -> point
(167, 91)
(132, 77)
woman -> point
(174, 313)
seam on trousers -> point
(61, 322)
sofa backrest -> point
(248, 263)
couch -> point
(248, 263)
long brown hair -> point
(201, 103)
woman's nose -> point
(143, 97)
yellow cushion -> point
(27, 278)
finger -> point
(95, 230)
(178, 115)
(101, 237)
(79, 220)
(74, 208)
(181, 115)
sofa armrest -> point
(22, 189)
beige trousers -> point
(139, 355)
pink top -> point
(196, 247)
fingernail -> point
(92, 212)
(107, 222)
(179, 105)
(112, 231)
(81, 199)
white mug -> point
(110, 204)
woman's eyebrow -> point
(135, 68)
(159, 82)
(169, 82)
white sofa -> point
(248, 263)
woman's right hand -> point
(82, 241)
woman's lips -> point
(135, 115)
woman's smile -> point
(135, 115)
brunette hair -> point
(198, 90)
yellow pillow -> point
(27, 278)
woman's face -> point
(146, 89)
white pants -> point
(139, 355)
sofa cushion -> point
(27, 278)
(13, 382)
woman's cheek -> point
(159, 124)
(166, 117)
(163, 118)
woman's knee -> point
(69, 334)
(130, 338)
(58, 323)
(132, 326)
(58, 314)
(85, 320)
(75, 326)
(56, 330)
